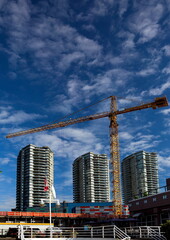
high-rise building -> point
(91, 178)
(35, 166)
(139, 175)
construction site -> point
(117, 213)
(114, 140)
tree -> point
(165, 228)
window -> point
(137, 203)
(154, 199)
(164, 196)
(145, 201)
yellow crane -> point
(114, 140)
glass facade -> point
(139, 175)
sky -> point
(57, 57)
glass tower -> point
(139, 175)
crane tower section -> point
(115, 159)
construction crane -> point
(114, 140)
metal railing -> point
(156, 235)
(110, 231)
(150, 232)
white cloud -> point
(125, 136)
(80, 50)
(4, 160)
(165, 111)
(79, 135)
(7, 202)
(148, 33)
(70, 58)
(167, 123)
(65, 103)
(104, 82)
(101, 8)
(127, 46)
(164, 161)
(166, 49)
(123, 4)
(130, 99)
(140, 142)
(141, 145)
(166, 70)
(129, 42)
(9, 116)
(52, 45)
(88, 46)
(145, 22)
(160, 89)
(147, 72)
(68, 143)
(78, 92)
(4, 178)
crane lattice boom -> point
(114, 141)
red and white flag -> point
(46, 187)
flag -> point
(53, 192)
(46, 187)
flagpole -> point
(47, 187)
(50, 211)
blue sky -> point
(59, 56)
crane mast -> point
(115, 158)
(114, 139)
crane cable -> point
(68, 115)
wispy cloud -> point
(165, 111)
(140, 142)
(7, 202)
(78, 91)
(130, 99)
(166, 50)
(125, 136)
(147, 72)
(5, 178)
(50, 47)
(145, 22)
(163, 163)
(101, 8)
(4, 160)
(128, 42)
(68, 143)
(11, 116)
(166, 69)
(160, 89)
(123, 5)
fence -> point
(150, 232)
(109, 232)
